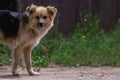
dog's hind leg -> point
(27, 58)
(16, 58)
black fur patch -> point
(9, 24)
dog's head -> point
(40, 17)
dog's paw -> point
(33, 73)
(15, 73)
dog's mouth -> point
(41, 24)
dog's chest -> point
(28, 38)
(40, 37)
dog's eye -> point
(37, 17)
(45, 17)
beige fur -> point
(30, 34)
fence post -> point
(118, 9)
(67, 16)
(80, 7)
(107, 14)
(95, 7)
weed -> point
(86, 46)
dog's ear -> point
(31, 9)
(52, 10)
(25, 17)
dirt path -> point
(65, 73)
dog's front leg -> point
(16, 58)
(27, 58)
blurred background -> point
(86, 33)
(70, 12)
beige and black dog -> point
(25, 33)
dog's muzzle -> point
(41, 24)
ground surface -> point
(65, 73)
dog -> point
(23, 33)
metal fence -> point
(69, 11)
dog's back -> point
(9, 24)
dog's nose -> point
(40, 24)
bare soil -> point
(65, 73)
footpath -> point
(65, 73)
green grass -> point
(94, 48)
(86, 46)
(5, 55)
